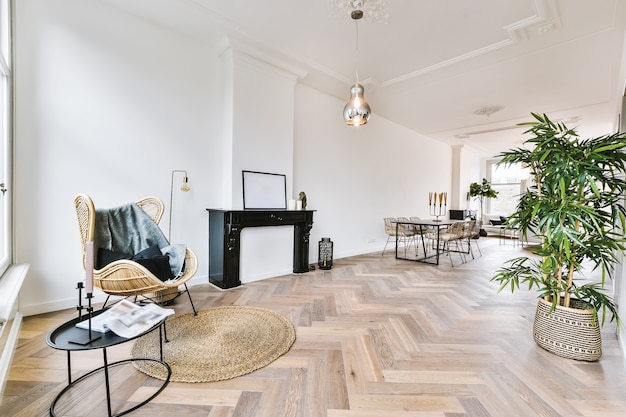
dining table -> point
(422, 227)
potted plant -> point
(480, 192)
(575, 207)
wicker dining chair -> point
(405, 235)
(390, 230)
(471, 233)
(128, 278)
(453, 234)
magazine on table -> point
(127, 319)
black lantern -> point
(325, 256)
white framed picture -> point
(264, 190)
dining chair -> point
(405, 234)
(390, 230)
(421, 232)
(453, 234)
(473, 234)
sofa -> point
(492, 223)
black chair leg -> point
(165, 334)
(388, 237)
(105, 302)
(195, 313)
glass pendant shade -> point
(357, 111)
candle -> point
(299, 205)
(445, 198)
(89, 267)
(292, 204)
(434, 198)
(430, 198)
(440, 198)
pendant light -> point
(356, 112)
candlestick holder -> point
(437, 211)
(84, 338)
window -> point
(510, 182)
(5, 135)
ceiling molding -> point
(522, 30)
(255, 54)
(467, 135)
(448, 62)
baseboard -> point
(99, 297)
(621, 341)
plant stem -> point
(570, 274)
(543, 238)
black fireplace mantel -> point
(224, 239)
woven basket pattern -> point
(219, 343)
(572, 332)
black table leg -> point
(69, 369)
(106, 380)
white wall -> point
(354, 177)
(262, 140)
(109, 105)
(471, 168)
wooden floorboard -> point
(376, 337)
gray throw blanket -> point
(128, 229)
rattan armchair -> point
(125, 277)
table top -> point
(61, 338)
(429, 222)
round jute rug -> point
(219, 343)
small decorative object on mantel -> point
(433, 208)
(302, 199)
(325, 256)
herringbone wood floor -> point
(375, 337)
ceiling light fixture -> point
(357, 112)
(373, 10)
(488, 111)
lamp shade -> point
(357, 111)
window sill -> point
(10, 317)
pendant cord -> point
(356, 64)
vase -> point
(570, 332)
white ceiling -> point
(435, 63)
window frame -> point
(521, 183)
(6, 136)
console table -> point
(224, 239)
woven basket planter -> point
(570, 332)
